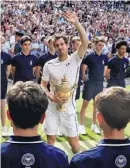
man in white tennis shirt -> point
(54, 71)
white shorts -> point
(56, 119)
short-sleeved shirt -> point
(5, 61)
(108, 154)
(46, 57)
(118, 67)
(95, 66)
(54, 70)
(24, 66)
(21, 152)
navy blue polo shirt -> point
(96, 66)
(118, 67)
(24, 66)
(31, 152)
(107, 154)
(46, 57)
(5, 61)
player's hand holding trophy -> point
(63, 90)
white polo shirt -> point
(54, 70)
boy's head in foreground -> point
(27, 104)
(113, 109)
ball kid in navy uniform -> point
(113, 114)
(115, 73)
(95, 63)
(5, 71)
(24, 64)
(49, 55)
(27, 104)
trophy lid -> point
(64, 79)
(63, 85)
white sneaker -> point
(95, 129)
(4, 131)
(82, 129)
(11, 131)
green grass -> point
(90, 135)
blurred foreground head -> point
(113, 108)
(27, 104)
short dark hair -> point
(57, 37)
(27, 103)
(121, 43)
(114, 105)
(25, 38)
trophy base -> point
(61, 107)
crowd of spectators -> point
(41, 19)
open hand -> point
(70, 17)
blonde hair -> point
(98, 39)
(75, 38)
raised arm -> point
(72, 18)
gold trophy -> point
(64, 91)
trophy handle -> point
(73, 88)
